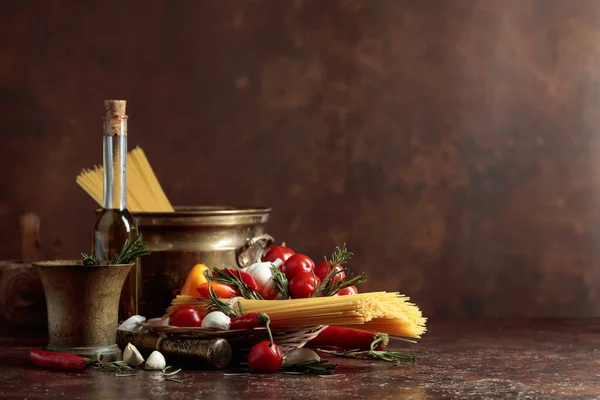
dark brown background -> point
(452, 144)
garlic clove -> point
(132, 356)
(216, 320)
(300, 356)
(155, 362)
(132, 324)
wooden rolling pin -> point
(211, 354)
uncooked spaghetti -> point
(385, 312)
(144, 192)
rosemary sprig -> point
(131, 251)
(341, 256)
(333, 283)
(216, 304)
(126, 255)
(373, 354)
(281, 282)
(106, 366)
(231, 277)
(390, 356)
(310, 367)
(90, 259)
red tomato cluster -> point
(302, 275)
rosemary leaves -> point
(129, 252)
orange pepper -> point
(221, 290)
(194, 279)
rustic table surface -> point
(466, 359)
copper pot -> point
(214, 236)
(83, 306)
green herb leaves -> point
(332, 282)
(128, 253)
(131, 251)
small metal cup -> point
(83, 307)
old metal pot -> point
(214, 236)
(83, 307)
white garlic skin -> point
(132, 356)
(155, 362)
(299, 356)
(217, 320)
(132, 324)
(263, 276)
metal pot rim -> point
(204, 211)
(74, 264)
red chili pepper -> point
(60, 361)
(221, 290)
(242, 276)
(349, 339)
(249, 321)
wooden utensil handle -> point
(31, 248)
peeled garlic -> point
(156, 362)
(217, 320)
(300, 356)
(132, 356)
(132, 324)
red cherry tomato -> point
(303, 285)
(323, 269)
(297, 264)
(276, 252)
(265, 357)
(348, 291)
(186, 315)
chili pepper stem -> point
(263, 319)
(380, 339)
(268, 326)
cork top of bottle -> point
(114, 108)
(114, 115)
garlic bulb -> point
(132, 324)
(278, 262)
(156, 362)
(262, 274)
(299, 356)
(132, 356)
(217, 320)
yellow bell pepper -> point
(195, 278)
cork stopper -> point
(114, 116)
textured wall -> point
(452, 144)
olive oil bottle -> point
(115, 224)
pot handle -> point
(253, 250)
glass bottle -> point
(115, 224)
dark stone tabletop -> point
(500, 358)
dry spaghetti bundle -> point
(385, 312)
(144, 193)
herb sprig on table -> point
(335, 281)
(129, 252)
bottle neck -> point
(115, 164)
